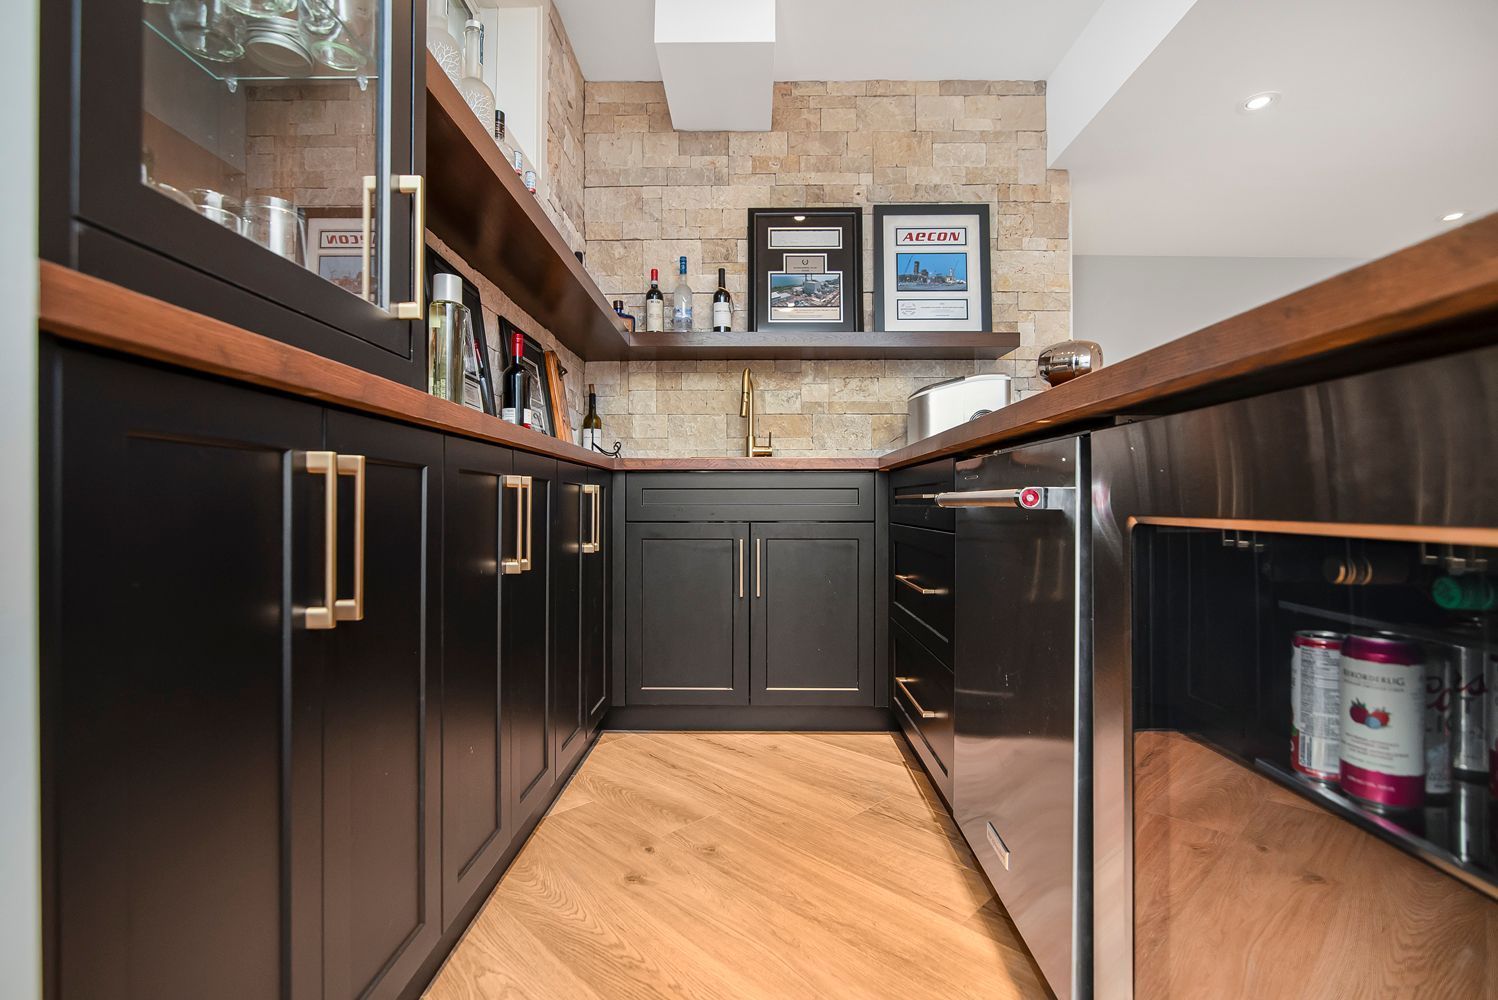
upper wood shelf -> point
(480, 209)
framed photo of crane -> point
(931, 268)
(804, 270)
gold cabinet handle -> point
(591, 491)
(924, 713)
(325, 464)
(741, 569)
(530, 520)
(352, 609)
(366, 210)
(756, 567)
(908, 580)
(517, 562)
(415, 185)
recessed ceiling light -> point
(1260, 101)
(799, 218)
(1452, 216)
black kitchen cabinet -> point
(478, 820)
(811, 622)
(924, 696)
(182, 692)
(687, 614)
(598, 606)
(527, 635)
(239, 190)
(579, 674)
(380, 773)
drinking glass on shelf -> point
(339, 33)
(209, 29)
(262, 8)
(276, 224)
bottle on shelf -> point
(517, 408)
(629, 321)
(475, 91)
(499, 126)
(441, 42)
(681, 300)
(722, 305)
(591, 436)
(446, 321)
(655, 305)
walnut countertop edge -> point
(1385, 308)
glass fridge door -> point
(271, 147)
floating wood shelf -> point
(480, 209)
(788, 346)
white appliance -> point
(955, 401)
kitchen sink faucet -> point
(752, 447)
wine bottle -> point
(722, 305)
(592, 433)
(681, 300)
(655, 305)
(517, 385)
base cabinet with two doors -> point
(750, 589)
(308, 677)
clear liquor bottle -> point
(475, 91)
(441, 42)
(681, 300)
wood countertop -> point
(1397, 308)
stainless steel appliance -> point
(955, 401)
(1359, 506)
(1022, 763)
(1068, 359)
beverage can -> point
(530, 181)
(1438, 695)
(1315, 704)
(1383, 721)
(1470, 819)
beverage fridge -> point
(1294, 692)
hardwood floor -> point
(743, 866)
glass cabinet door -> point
(270, 145)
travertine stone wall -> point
(563, 195)
(653, 194)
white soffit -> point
(717, 61)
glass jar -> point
(339, 33)
(209, 29)
(262, 8)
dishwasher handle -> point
(1023, 498)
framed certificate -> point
(804, 270)
(931, 268)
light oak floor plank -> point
(751, 866)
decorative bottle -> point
(475, 91)
(446, 49)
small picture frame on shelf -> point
(804, 270)
(533, 360)
(932, 268)
(335, 250)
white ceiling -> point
(855, 39)
(1388, 121)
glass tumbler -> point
(339, 33)
(209, 29)
(263, 8)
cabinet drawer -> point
(922, 694)
(911, 490)
(921, 585)
(750, 496)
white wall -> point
(20, 921)
(1130, 304)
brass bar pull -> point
(1023, 497)
(530, 520)
(906, 578)
(515, 563)
(913, 497)
(741, 568)
(365, 248)
(591, 545)
(414, 185)
(924, 713)
(756, 567)
(325, 464)
(352, 609)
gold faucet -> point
(752, 447)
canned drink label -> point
(1316, 675)
(1437, 727)
(1383, 731)
(1469, 743)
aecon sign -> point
(931, 237)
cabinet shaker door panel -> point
(527, 634)
(381, 779)
(180, 687)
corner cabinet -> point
(300, 703)
(751, 589)
(265, 171)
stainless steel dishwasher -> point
(1023, 758)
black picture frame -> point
(533, 357)
(977, 284)
(771, 233)
(479, 369)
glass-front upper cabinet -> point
(254, 160)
